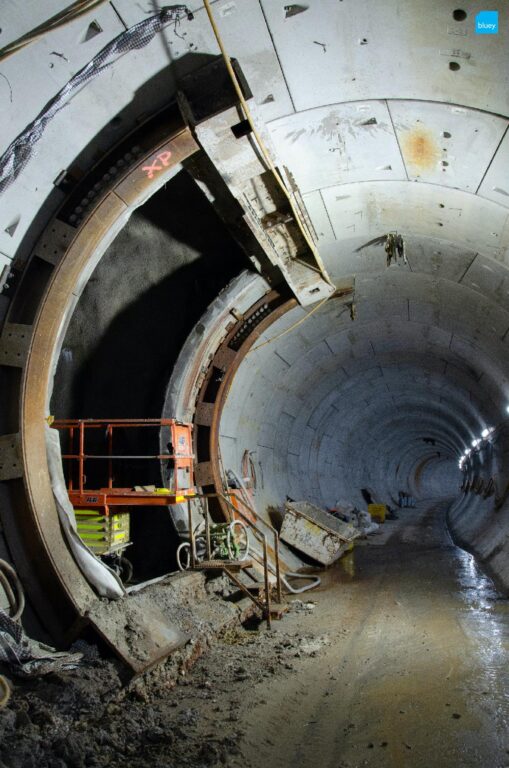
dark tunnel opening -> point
(141, 302)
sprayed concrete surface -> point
(399, 659)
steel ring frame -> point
(29, 350)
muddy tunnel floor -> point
(398, 659)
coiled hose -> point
(11, 585)
(5, 692)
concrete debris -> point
(312, 645)
(299, 606)
(86, 718)
(360, 519)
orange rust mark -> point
(420, 149)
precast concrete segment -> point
(435, 477)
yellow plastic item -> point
(104, 534)
(377, 512)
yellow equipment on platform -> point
(377, 512)
(103, 534)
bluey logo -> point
(486, 23)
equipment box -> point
(377, 512)
(316, 532)
(103, 534)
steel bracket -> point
(10, 463)
(266, 210)
(14, 344)
(203, 473)
(55, 241)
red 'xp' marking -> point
(161, 161)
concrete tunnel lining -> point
(307, 346)
(382, 125)
(446, 316)
(295, 392)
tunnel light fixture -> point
(475, 443)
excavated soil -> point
(399, 659)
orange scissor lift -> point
(97, 510)
(104, 525)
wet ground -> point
(399, 659)
(416, 670)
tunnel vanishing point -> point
(287, 225)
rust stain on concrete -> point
(420, 150)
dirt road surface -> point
(398, 660)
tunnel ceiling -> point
(389, 118)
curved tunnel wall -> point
(393, 140)
(336, 405)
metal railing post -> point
(207, 530)
(266, 579)
(278, 572)
(191, 533)
(110, 452)
(70, 468)
(82, 455)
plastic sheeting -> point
(20, 150)
(103, 579)
(27, 657)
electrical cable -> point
(266, 156)
(11, 598)
(70, 13)
(291, 328)
(316, 581)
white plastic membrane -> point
(100, 577)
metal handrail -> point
(81, 427)
(258, 534)
(275, 535)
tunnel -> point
(287, 227)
